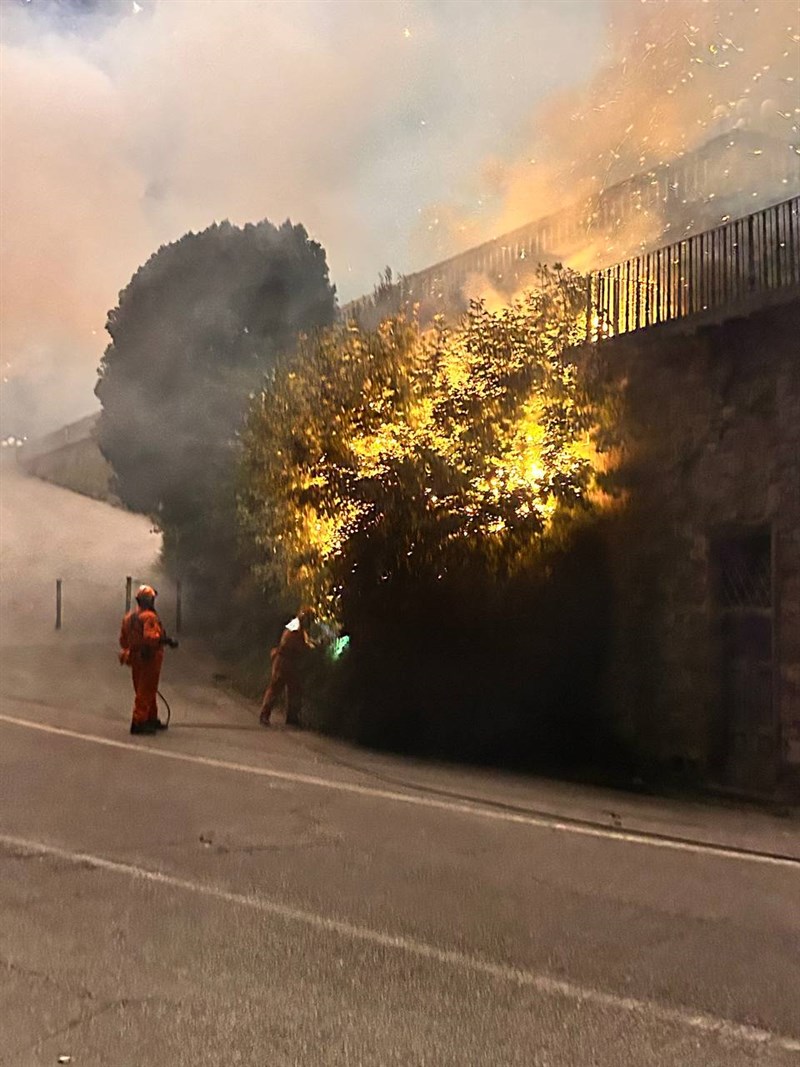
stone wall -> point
(711, 431)
(70, 457)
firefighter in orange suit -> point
(287, 667)
(141, 640)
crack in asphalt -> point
(79, 992)
(86, 1017)
(702, 1023)
(30, 972)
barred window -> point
(743, 569)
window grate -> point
(744, 571)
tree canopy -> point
(378, 453)
(196, 329)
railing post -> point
(668, 310)
(751, 255)
(58, 603)
(737, 253)
(648, 270)
(681, 279)
(638, 302)
(702, 279)
(589, 337)
(779, 245)
(128, 593)
(659, 291)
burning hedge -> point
(371, 455)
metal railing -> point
(749, 256)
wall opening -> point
(742, 582)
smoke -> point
(127, 124)
(675, 74)
(399, 132)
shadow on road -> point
(214, 726)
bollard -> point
(58, 603)
(128, 593)
(178, 606)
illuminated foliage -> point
(371, 454)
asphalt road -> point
(222, 894)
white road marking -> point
(455, 807)
(700, 1021)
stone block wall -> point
(70, 457)
(711, 443)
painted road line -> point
(710, 1025)
(472, 808)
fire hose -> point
(165, 702)
(171, 643)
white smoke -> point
(397, 132)
(125, 127)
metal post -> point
(58, 603)
(751, 255)
(128, 593)
(178, 606)
(589, 334)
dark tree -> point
(196, 330)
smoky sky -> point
(125, 125)
(397, 132)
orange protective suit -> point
(287, 660)
(141, 640)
